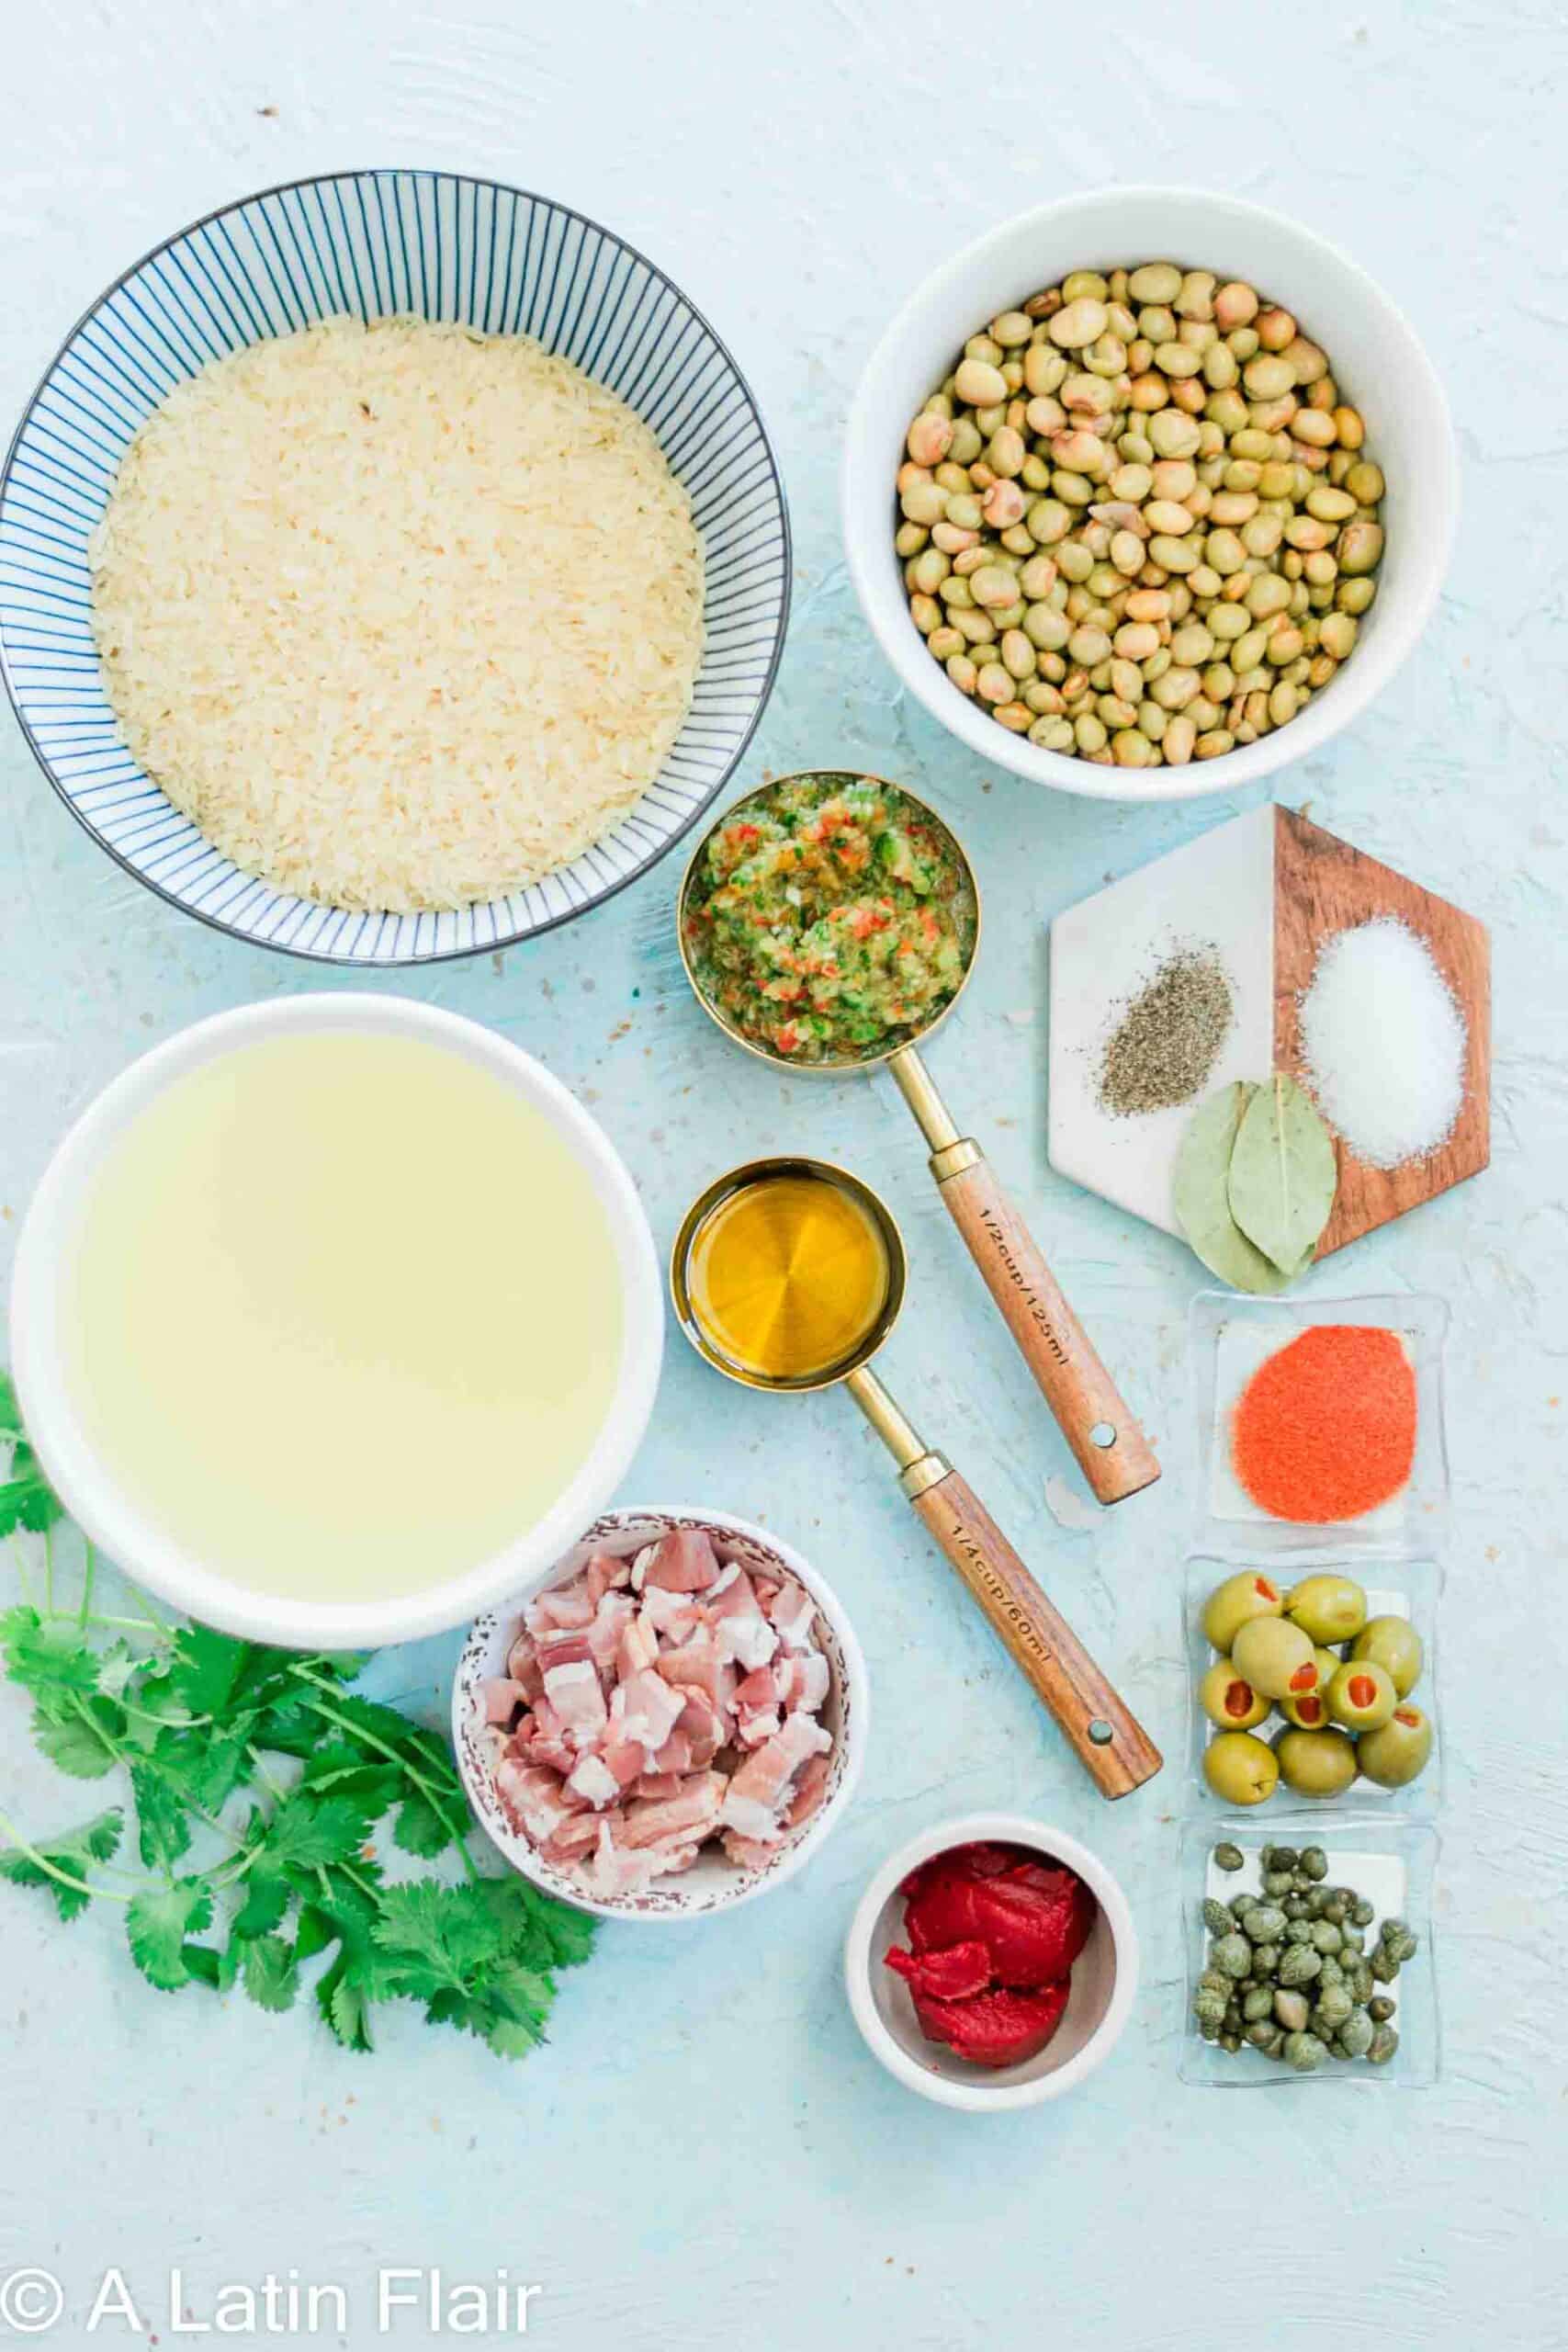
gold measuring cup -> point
(1111, 1450)
(1105, 1736)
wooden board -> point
(1323, 886)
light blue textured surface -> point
(706, 2155)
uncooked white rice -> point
(402, 616)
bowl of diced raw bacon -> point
(667, 1724)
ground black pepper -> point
(1168, 1038)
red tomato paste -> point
(994, 1932)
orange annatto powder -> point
(1326, 1428)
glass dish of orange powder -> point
(1320, 1425)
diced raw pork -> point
(615, 1612)
(748, 1853)
(577, 1696)
(743, 1632)
(809, 1792)
(605, 1573)
(685, 1561)
(690, 1815)
(757, 1794)
(571, 1645)
(566, 1605)
(631, 1731)
(647, 1709)
(672, 1613)
(614, 1871)
(638, 1649)
(534, 1796)
(699, 1665)
(591, 1778)
(540, 1738)
(499, 1699)
(702, 1724)
(579, 1833)
(523, 1665)
(793, 1612)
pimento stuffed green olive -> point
(1361, 1696)
(1275, 1657)
(1240, 1768)
(1231, 1604)
(1316, 1763)
(1393, 1643)
(1229, 1701)
(1328, 1607)
(1397, 1754)
(1308, 1710)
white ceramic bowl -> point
(712, 1883)
(1105, 1977)
(122, 1529)
(1377, 359)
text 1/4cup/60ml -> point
(789, 1274)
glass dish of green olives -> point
(1314, 1688)
(1309, 1953)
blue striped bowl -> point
(372, 243)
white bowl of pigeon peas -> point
(1125, 493)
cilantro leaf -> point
(420, 1828)
(435, 1936)
(345, 2005)
(27, 1499)
(267, 1898)
(159, 1920)
(203, 1763)
(310, 1829)
(269, 1973)
(82, 1739)
(74, 1853)
(47, 1655)
(162, 1829)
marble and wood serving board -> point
(1265, 891)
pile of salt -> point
(1383, 1042)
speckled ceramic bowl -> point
(372, 245)
(712, 1883)
(1104, 1977)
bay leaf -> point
(1283, 1174)
(1200, 1193)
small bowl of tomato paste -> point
(992, 1962)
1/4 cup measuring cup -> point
(1111, 1450)
(783, 1293)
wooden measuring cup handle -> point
(1076, 1385)
(1108, 1739)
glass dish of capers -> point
(1309, 1955)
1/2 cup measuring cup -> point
(1111, 1450)
(758, 1325)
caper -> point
(1381, 2009)
(1356, 2034)
(1305, 2052)
(1300, 1965)
(1384, 2042)
(1313, 1862)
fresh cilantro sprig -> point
(270, 1807)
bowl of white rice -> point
(398, 566)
